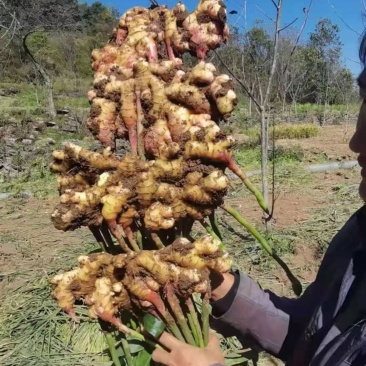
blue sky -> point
(349, 10)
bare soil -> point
(332, 142)
(27, 236)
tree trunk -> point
(264, 153)
(51, 110)
(326, 96)
(264, 106)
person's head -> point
(358, 141)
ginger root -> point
(168, 114)
(138, 76)
(173, 174)
(100, 186)
(109, 284)
(142, 94)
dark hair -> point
(361, 80)
(362, 51)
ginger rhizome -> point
(168, 113)
(144, 93)
(138, 74)
(157, 281)
(160, 194)
(172, 176)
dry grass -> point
(297, 131)
(283, 131)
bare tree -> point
(19, 19)
(260, 89)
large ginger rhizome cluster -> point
(143, 93)
(124, 191)
(141, 89)
(157, 281)
(158, 116)
(172, 176)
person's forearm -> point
(238, 303)
(251, 312)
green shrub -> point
(309, 109)
(250, 157)
(287, 155)
(247, 157)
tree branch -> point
(11, 28)
(246, 89)
(288, 25)
(307, 11)
(342, 19)
(274, 197)
(265, 14)
(264, 118)
(275, 4)
(27, 50)
(275, 51)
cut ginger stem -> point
(178, 313)
(112, 348)
(116, 232)
(296, 285)
(173, 327)
(214, 224)
(119, 325)
(157, 240)
(127, 352)
(132, 135)
(205, 318)
(196, 322)
(131, 239)
(226, 156)
(152, 50)
(209, 229)
(169, 49)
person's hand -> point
(182, 354)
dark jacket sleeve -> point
(266, 317)
(276, 323)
